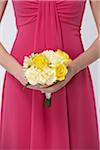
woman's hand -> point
(13, 67)
(57, 86)
(36, 87)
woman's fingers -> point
(37, 87)
(58, 85)
(52, 88)
(33, 87)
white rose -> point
(32, 75)
(41, 79)
(49, 54)
(53, 57)
(50, 75)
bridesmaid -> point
(14, 68)
(81, 62)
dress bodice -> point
(52, 19)
(67, 11)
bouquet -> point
(46, 68)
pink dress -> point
(71, 122)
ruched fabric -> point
(54, 13)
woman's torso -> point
(48, 24)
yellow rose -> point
(40, 61)
(64, 55)
(32, 75)
(61, 71)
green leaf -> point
(27, 84)
(47, 102)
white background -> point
(89, 34)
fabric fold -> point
(48, 27)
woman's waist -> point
(27, 37)
(67, 33)
(23, 48)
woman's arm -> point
(93, 52)
(3, 4)
(11, 65)
(6, 60)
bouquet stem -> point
(47, 99)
